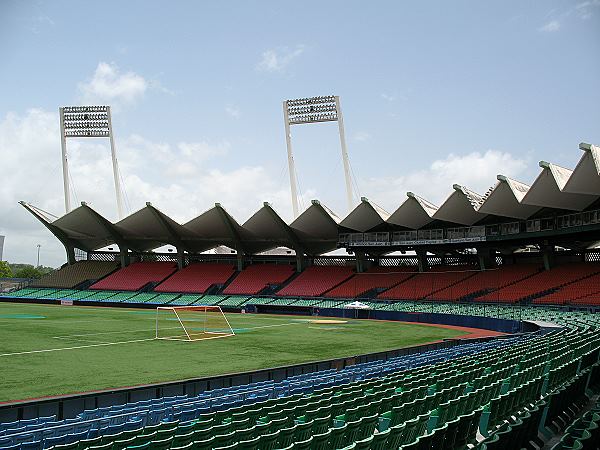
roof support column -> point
(70, 254)
(240, 260)
(180, 258)
(486, 258)
(549, 256)
(361, 261)
(124, 254)
(300, 262)
(422, 260)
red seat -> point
(257, 277)
(135, 276)
(197, 278)
(316, 280)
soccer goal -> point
(191, 323)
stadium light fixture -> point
(87, 122)
(302, 111)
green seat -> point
(222, 440)
(367, 427)
(71, 446)
(396, 437)
(108, 446)
(248, 444)
(123, 443)
(180, 440)
(206, 444)
(161, 444)
(364, 444)
(321, 424)
(144, 446)
(380, 439)
(321, 441)
(202, 434)
(303, 445)
(303, 431)
(268, 441)
(189, 446)
(86, 443)
(143, 438)
(232, 446)
(244, 435)
(286, 436)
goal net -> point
(191, 323)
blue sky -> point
(433, 93)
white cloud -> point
(476, 170)
(277, 60)
(550, 27)
(361, 136)
(110, 85)
(179, 178)
(585, 9)
(233, 111)
(388, 97)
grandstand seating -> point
(541, 283)
(253, 279)
(136, 276)
(316, 280)
(70, 276)
(504, 390)
(582, 291)
(423, 285)
(376, 277)
(197, 278)
(485, 281)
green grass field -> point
(37, 357)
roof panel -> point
(585, 179)
(415, 212)
(546, 190)
(365, 217)
(461, 207)
(505, 200)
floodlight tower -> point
(84, 122)
(314, 110)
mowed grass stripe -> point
(105, 367)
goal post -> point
(191, 323)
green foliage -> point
(28, 272)
(5, 271)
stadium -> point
(468, 324)
(463, 315)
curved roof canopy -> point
(316, 230)
(366, 216)
(585, 179)
(547, 190)
(415, 212)
(505, 200)
(461, 207)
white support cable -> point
(72, 183)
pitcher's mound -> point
(328, 321)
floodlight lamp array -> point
(311, 100)
(87, 133)
(312, 118)
(85, 109)
(85, 116)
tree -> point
(28, 272)
(5, 271)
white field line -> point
(108, 332)
(103, 344)
(75, 348)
